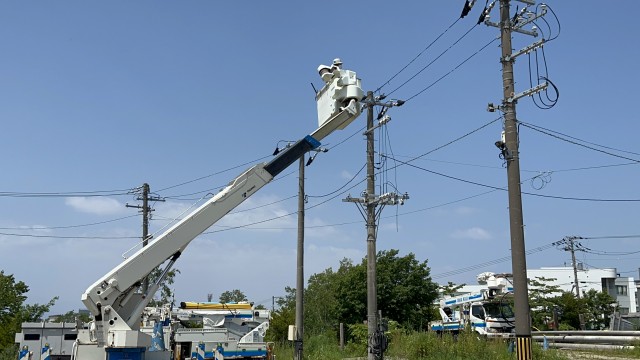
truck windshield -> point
(497, 310)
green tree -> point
(450, 289)
(232, 296)
(321, 302)
(282, 317)
(71, 316)
(166, 295)
(405, 290)
(598, 308)
(351, 292)
(543, 300)
(405, 293)
(569, 308)
(13, 310)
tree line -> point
(406, 298)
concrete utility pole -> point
(146, 210)
(377, 340)
(518, 256)
(572, 248)
(570, 245)
(372, 284)
(300, 266)
(510, 152)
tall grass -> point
(429, 346)
(417, 346)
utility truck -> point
(486, 312)
(208, 330)
(116, 301)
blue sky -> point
(105, 96)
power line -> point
(490, 262)
(359, 221)
(419, 156)
(359, 131)
(213, 174)
(523, 192)
(417, 56)
(454, 140)
(66, 226)
(341, 187)
(452, 70)
(70, 237)
(609, 253)
(432, 61)
(523, 170)
(213, 191)
(610, 237)
(550, 133)
(96, 193)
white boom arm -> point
(114, 299)
(496, 284)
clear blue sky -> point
(105, 96)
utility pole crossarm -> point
(526, 49)
(530, 19)
(390, 198)
(533, 90)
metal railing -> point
(588, 339)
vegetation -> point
(594, 307)
(166, 295)
(71, 317)
(405, 295)
(339, 296)
(232, 296)
(413, 345)
(14, 311)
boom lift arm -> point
(114, 300)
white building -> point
(623, 289)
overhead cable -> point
(432, 61)
(417, 56)
(452, 70)
(560, 137)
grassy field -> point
(429, 346)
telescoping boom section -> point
(115, 299)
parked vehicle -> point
(486, 312)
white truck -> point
(208, 330)
(116, 301)
(486, 312)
